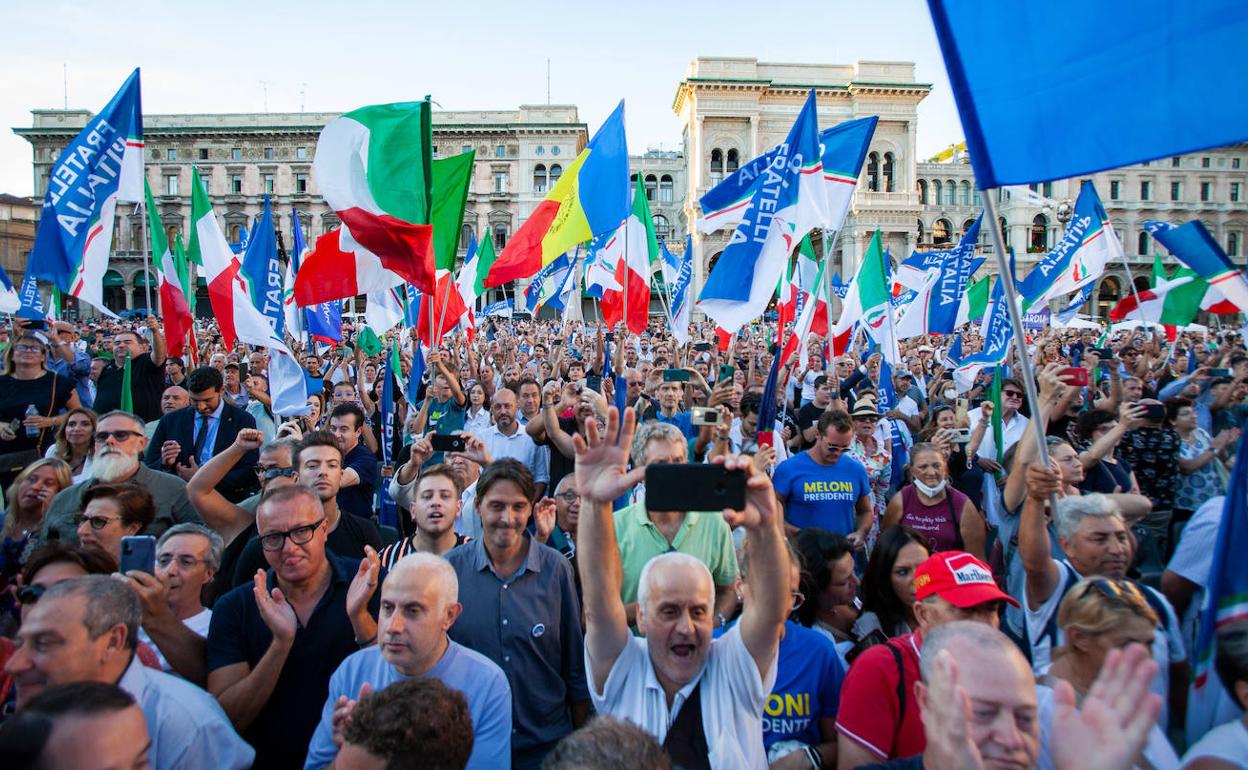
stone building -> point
(18, 219)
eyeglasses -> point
(274, 541)
(20, 348)
(184, 561)
(1117, 590)
(1011, 394)
(96, 522)
(567, 497)
(799, 599)
(268, 474)
(30, 594)
(102, 436)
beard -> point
(111, 465)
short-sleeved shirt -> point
(808, 688)
(239, 635)
(822, 496)
(47, 393)
(1154, 456)
(147, 383)
(702, 535)
(518, 446)
(807, 416)
(357, 499)
(870, 713)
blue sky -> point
(488, 54)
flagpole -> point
(827, 296)
(147, 257)
(1006, 277)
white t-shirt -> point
(1011, 432)
(1228, 742)
(732, 701)
(198, 623)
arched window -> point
(951, 191)
(539, 178)
(1232, 244)
(652, 187)
(500, 236)
(235, 233)
(717, 166)
(873, 172)
(1039, 234)
(920, 240)
(964, 194)
(661, 228)
(171, 234)
(733, 162)
(465, 236)
(666, 189)
(888, 172)
(1005, 230)
(923, 192)
(556, 171)
(1142, 243)
(941, 232)
(966, 227)
(935, 192)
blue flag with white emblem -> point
(263, 272)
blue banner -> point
(1064, 317)
(263, 272)
(388, 514)
(503, 308)
(31, 303)
(1088, 216)
(954, 273)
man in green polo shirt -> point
(643, 534)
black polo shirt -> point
(147, 384)
(283, 729)
(359, 499)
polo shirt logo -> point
(538, 630)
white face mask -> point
(930, 491)
(951, 395)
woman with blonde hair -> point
(28, 498)
(75, 442)
(1099, 615)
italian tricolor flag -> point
(1160, 304)
(173, 303)
(635, 251)
(867, 303)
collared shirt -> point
(703, 535)
(78, 372)
(168, 492)
(210, 423)
(518, 446)
(188, 727)
(238, 634)
(733, 696)
(483, 684)
(529, 624)
(1011, 432)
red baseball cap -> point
(958, 578)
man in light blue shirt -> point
(419, 604)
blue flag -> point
(31, 304)
(388, 515)
(1064, 317)
(888, 400)
(1088, 244)
(1069, 88)
(263, 272)
(682, 297)
(997, 333)
(839, 287)
(100, 166)
(1195, 247)
(503, 308)
(767, 408)
(415, 376)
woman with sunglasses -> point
(75, 442)
(1097, 616)
(111, 512)
(26, 383)
(28, 498)
(888, 584)
(874, 453)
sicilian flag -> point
(867, 304)
(788, 202)
(682, 295)
(934, 309)
(1193, 245)
(1226, 597)
(175, 309)
(635, 252)
(1079, 258)
(1147, 305)
(590, 199)
(100, 166)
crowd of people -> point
(193, 581)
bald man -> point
(419, 604)
(174, 398)
(505, 439)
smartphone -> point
(138, 552)
(1074, 375)
(594, 382)
(1154, 411)
(448, 443)
(675, 375)
(1103, 353)
(704, 415)
(556, 342)
(694, 487)
(36, 325)
(609, 336)
(961, 435)
(1219, 372)
(701, 346)
(726, 372)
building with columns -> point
(18, 219)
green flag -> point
(998, 426)
(485, 258)
(367, 341)
(452, 178)
(1181, 303)
(127, 393)
(976, 303)
(183, 267)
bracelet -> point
(367, 642)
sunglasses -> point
(1011, 394)
(102, 436)
(1117, 590)
(97, 522)
(30, 594)
(268, 474)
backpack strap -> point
(901, 684)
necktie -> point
(201, 437)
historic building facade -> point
(18, 220)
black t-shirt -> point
(16, 396)
(806, 417)
(357, 500)
(560, 466)
(147, 383)
(347, 541)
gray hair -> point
(215, 544)
(1073, 509)
(287, 443)
(443, 572)
(109, 603)
(650, 432)
(567, 480)
(673, 558)
(121, 413)
(982, 638)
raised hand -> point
(364, 584)
(1110, 728)
(602, 472)
(344, 707)
(947, 720)
(544, 519)
(248, 439)
(275, 611)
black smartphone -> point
(675, 375)
(442, 443)
(594, 382)
(138, 552)
(1219, 372)
(609, 336)
(726, 372)
(694, 487)
(36, 325)
(701, 346)
(1154, 411)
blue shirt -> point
(821, 496)
(78, 372)
(188, 728)
(482, 683)
(211, 423)
(682, 420)
(807, 688)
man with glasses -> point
(189, 437)
(1012, 425)
(119, 443)
(274, 643)
(824, 487)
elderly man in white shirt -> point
(702, 699)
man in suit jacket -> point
(186, 438)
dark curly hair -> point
(414, 724)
